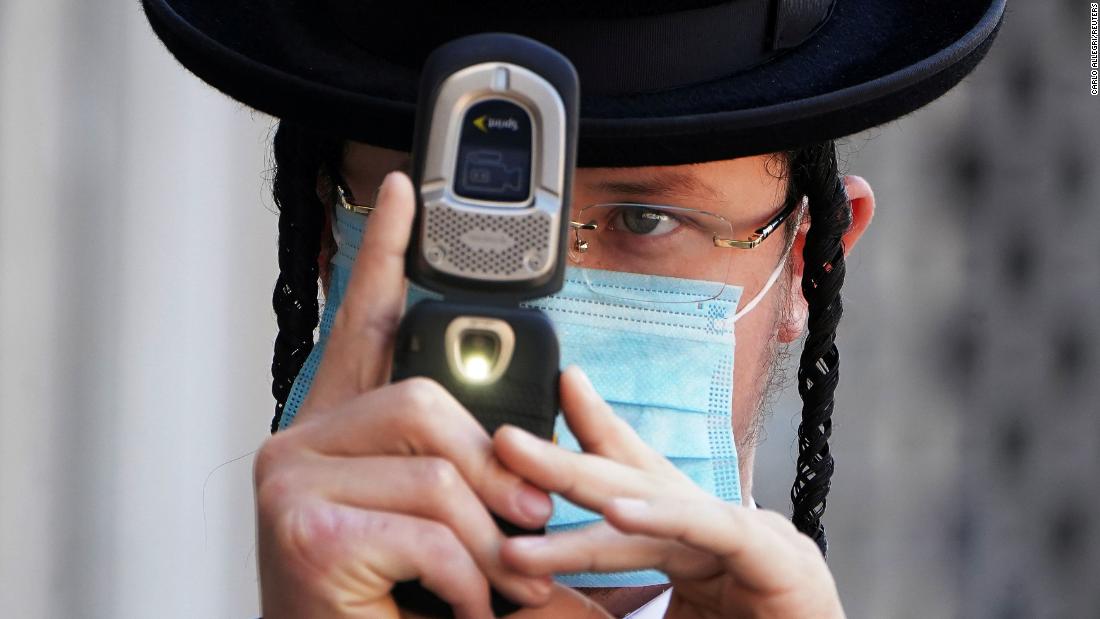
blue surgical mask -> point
(666, 368)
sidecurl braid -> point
(300, 156)
(814, 173)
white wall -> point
(136, 264)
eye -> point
(644, 221)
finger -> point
(379, 270)
(597, 428)
(357, 355)
(749, 547)
(353, 554)
(426, 487)
(585, 479)
(564, 602)
(601, 548)
(419, 417)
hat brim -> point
(872, 62)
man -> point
(703, 124)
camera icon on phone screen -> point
(486, 171)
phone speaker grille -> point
(480, 246)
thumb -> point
(357, 355)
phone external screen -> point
(494, 153)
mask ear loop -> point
(774, 277)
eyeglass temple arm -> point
(362, 209)
(761, 233)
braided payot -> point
(815, 170)
(300, 156)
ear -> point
(862, 200)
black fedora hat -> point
(662, 81)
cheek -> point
(753, 355)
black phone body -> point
(430, 342)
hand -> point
(723, 560)
(378, 483)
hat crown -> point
(335, 65)
(618, 46)
(491, 10)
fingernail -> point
(380, 193)
(529, 543)
(631, 508)
(534, 504)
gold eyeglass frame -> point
(581, 245)
(758, 236)
(355, 207)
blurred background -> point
(137, 256)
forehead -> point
(748, 179)
(756, 179)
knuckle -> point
(289, 534)
(420, 395)
(304, 536)
(438, 477)
(361, 320)
(275, 490)
(271, 455)
(323, 538)
(315, 524)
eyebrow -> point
(662, 185)
(405, 165)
